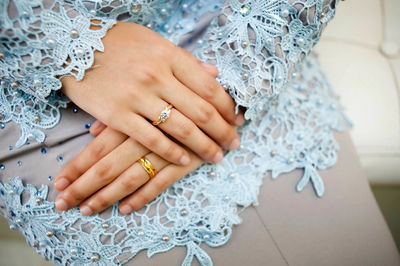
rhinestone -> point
(245, 44)
(88, 125)
(36, 118)
(19, 221)
(165, 238)
(140, 233)
(300, 41)
(2, 166)
(43, 150)
(273, 153)
(2, 56)
(232, 175)
(50, 178)
(50, 43)
(75, 110)
(93, 12)
(184, 212)
(285, 13)
(245, 76)
(38, 200)
(136, 8)
(245, 10)
(37, 83)
(74, 34)
(207, 236)
(49, 233)
(212, 174)
(105, 225)
(219, 35)
(74, 251)
(95, 257)
(14, 85)
(79, 52)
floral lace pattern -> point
(203, 206)
(260, 49)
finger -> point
(154, 187)
(184, 131)
(97, 149)
(97, 127)
(191, 74)
(127, 183)
(152, 138)
(210, 69)
(100, 174)
(202, 113)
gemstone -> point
(245, 10)
(74, 34)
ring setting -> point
(164, 115)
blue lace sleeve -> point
(256, 46)
(39, 44)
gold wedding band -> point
(164, 115)
(148, 167)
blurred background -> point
(360, 52)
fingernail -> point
(218, 157)
(86, 210)
(185, 160)
(234, 144)
(61, 205)
(239, 120)
(126, 209)
(61, 183)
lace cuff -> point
(256, 46)
(40, 44)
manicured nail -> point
(86, 210)
(61, 183)
(234, 144)
(239, 120)
(61, 205)
(218, 157)
(126, 209)
(185, 160)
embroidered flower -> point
(184, 212)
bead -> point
(273, 153)
(225, 86)
(291, 160)
(163, 11)
(300, 41)
(95, 257)
(14, 85)
(37, 83)
(42, 244)
(2, 166)
(322, 15)
(19, 222)
(149, 25)
(184, 212)
(74, 34)
(49, 233)
(279, 78)
(227, 198)
(135, 8)
(11, 192)
(177, 26)
(25, 14)
(269, 41)
(51, 43)
(36, 118)
(38, 200)
(74, 251)
(75, 110)
(19, 163)
(206, 236)
(93, 12)
(285, 13)
(2, 56)
(140, 233)
(245, 10)
(50, 178)
(245, 76)
(185, 6)
(88, 125)
(245, 44)
(165, 238)
(35, 244)
(13, 227)
(212, 174)
(60, 159)
(43, 150)
(3, 83)
(232, 175)
(105, 225)
(79, 52)
(294, 74)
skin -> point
(200, 126)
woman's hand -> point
(107, 171)
(137, 76)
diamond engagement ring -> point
(164, 115)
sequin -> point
(2, 166)
(60, 159)
(50, 178)
(43, 150)
(88, 125)
(10, 148)
(19, 163)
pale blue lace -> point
(257, 46)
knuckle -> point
(147, 74)
(210, 92)
(97, 150)
(209, 151)
(206, 113)
(72, 195)
(172, 152)
(130, 182)
(102, 171)
(151, 142)
(186, 129)
(160, 184)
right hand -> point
(137, 76)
